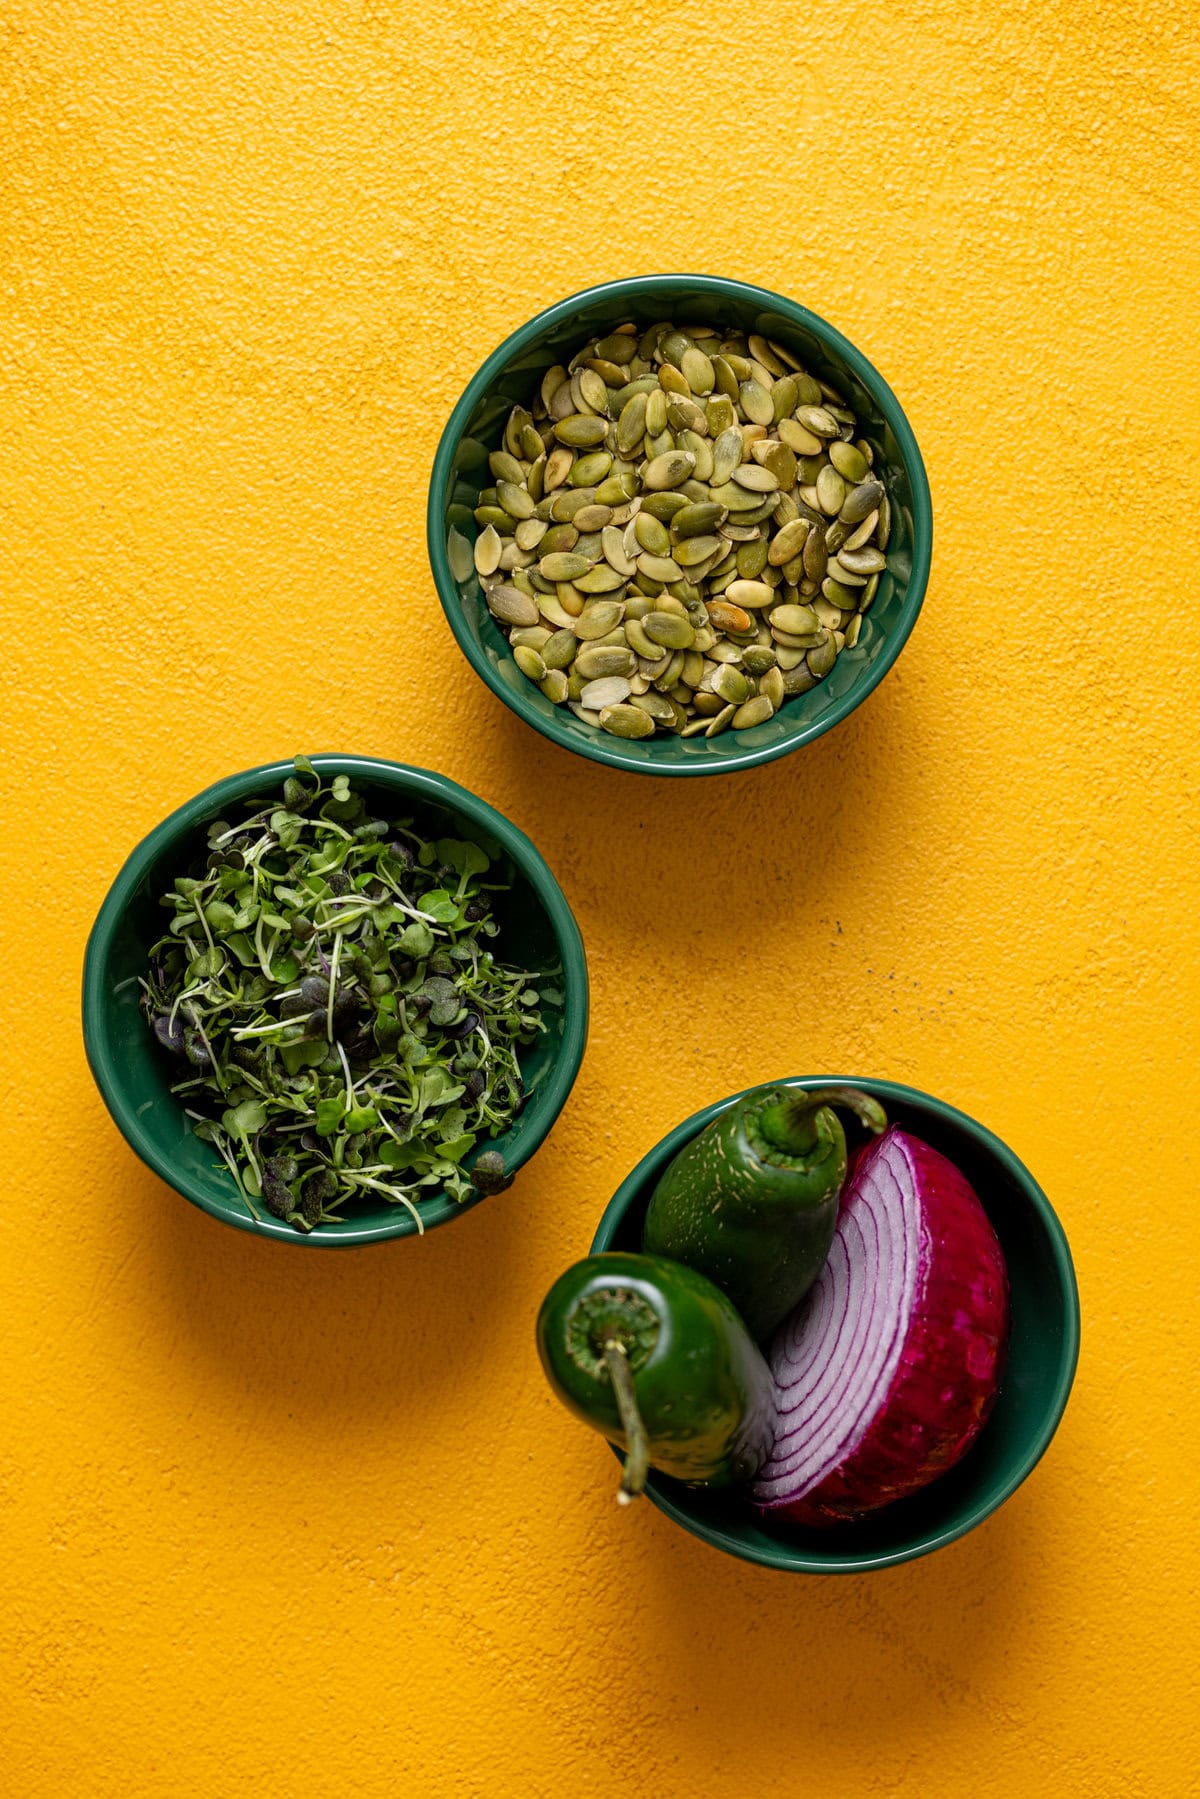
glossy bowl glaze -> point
(1042, 1354)
(511, 375)
(134, 1075)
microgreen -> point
(344, 1031)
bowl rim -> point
(423, 785)
(784, 1557)
(605, 749)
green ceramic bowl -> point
(1041, 1359)
(133, 1075)
(511, 374)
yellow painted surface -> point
(308, 1525)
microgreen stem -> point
(333, 968)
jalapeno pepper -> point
(752, 1202)
(653, 1356)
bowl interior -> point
(1037, 1377)
(511, 376)
(134, 1074)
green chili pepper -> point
(653, 1356)
(753, 1200)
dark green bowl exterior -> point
(510, 375)
(1043, 1351)
(539, 932)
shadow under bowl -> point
(511, 376)
(1043, 1351)
(134, 1075)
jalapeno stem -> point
(795, 1123)
(637, 1448)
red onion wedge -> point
(888, 1369)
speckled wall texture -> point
(311, 1526)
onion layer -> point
(888, 1370)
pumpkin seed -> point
(668, 470)
(598, 619)
(721, 722)
(697, 370)
(631, 426)
(831, 490)
(511, 606)
(726, 378)
(563, 565)
(554, 685)
(595, 660)
(817, 420)
(515, 500)
(601, 579)
(788, 542)
(626, 721)
(800, 441)
(529, 662)
(796, 621)
(567, 504)
(752, 559)
(620, 348)
(613, 543)
(750, 594)
(663, 506)
(758, 479)
(730, 684)
(488, 546)
(581, 431)
(756, 403)
(778, 459)
(728, 617)
(609, 690)
(860, 500)
(657, 705)
(696, 550)
(552, 609)
(669, 630)
(757, 658)
(660, 568)
(752, 712)
(559, 463)
(696, 519)
(590, 470)
(822, 658)
(685, 415)
(552, 380)
(701, 449)
(559, 650)
(849, 462)
(862, 534)
(593, 391)
(665, 677)
(844, 597)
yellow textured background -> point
(291, 1523)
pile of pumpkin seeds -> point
(684, 530)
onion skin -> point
(927, 1413)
